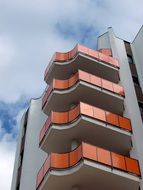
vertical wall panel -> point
(89, 151)
(103, 156)
(59, 160)
(118, 161)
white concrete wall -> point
(103, 41)
(16, 163)
(131, 105)
(33, 157)
(137, 50)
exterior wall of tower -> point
(131, 105)
(103, 41)
(17, 155)
(88, 135)
(33, 156)
(137, 51)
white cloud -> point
(7, 161)
(23, 74)
(7, 154)
(31, 36)
(7, 51)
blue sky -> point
(9, 111)
(30, 32)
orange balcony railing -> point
(57, 161)
(106, 51)
(62, 57)
(86, 77)
(61, 118)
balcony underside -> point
(59, 138)
(82, 91)
(65, 69)
(89, 175)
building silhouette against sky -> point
(86, 131)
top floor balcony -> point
(62, 65)
(84, 87)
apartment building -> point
(86, 131)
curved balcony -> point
(81, 57)
(106, 51)
(89, 124)
(90, 167)
(62, 93)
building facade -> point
(85, 132)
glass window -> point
(130, 59)
(136, 81)
(141, 106)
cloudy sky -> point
(30, 32)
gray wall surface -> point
(33, 157)
(137, 49)
(16, 163)
(131, 105)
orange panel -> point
(60, 117)
(73, 52)
(86, 109)
(48, 67)
(84, 76)
(61, 84)
(48, 91)
(132, 166)
(113, 61)
(108, 60)
(75, 156)
(61, 57)
(118, 89)
(46, 94)
(107, 85)
(44, 99)
(103, 58)
(59, 160)
(89, 151)
(66, 56)
(125, 123)
(82, 49)
(99, 114)
(106, 51)
(95, 80)
(93, 53)
(42, 133)
(40, 176)
(73, 79)
(74, 113)
(112, 118)
(54, 58)
(48, 123)
(103, 156)
(118, 161)
(46, 165)
(57, 55)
